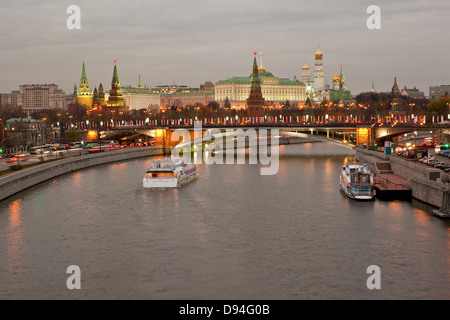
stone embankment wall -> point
(427, 183)
(15, 182)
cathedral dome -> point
(305, 67)
(336, 78)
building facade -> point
(36, 97)
(413, 93)
(137, 98)
(436, 91)
(275, 91)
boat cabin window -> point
(150, 175)
(360, 178)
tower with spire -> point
(116, 98)
(139, 82)
(373, 87)
(84, 96)
(101, 96)
(255, 101)
(397, 106)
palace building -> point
(140, 98)
(275, 91)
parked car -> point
(439, 164)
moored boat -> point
(356, 182)
(169, 173)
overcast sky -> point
(188, 42)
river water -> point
(231, 234)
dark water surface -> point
(231, 234)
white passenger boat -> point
(357, 182)
(169, 173)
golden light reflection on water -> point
(118, 165)
(77, 179)
(15, 235)
(14, 214)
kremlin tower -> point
(97, 99)
(84, 96)
(116, 98)
(255, 101)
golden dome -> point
(336, 78)
(318, 54)
(305, 67)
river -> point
(231, 234)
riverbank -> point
(15, 182)
(427, 184)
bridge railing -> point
(281, 121)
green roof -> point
(235, 80)
(288, 81)
(265, 74)
(115, 75)
(188, 93)
(261, 74)
(83, 73)
(130, 89)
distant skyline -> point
(190, 42)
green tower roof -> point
(139, 81)
(115, 75)
(83, 73)
(255, 76)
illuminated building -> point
(85, 97)
(320, 91)
(340, 92)
(275, 91)
(115, 98)
(140, 98)
(98, 99)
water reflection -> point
(15, 236)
